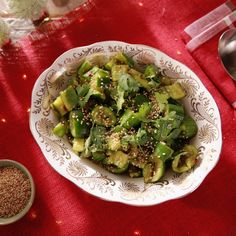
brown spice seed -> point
(15, 191)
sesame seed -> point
(15, 191)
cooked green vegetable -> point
(78, 145)
(103, 116)
(151, 74)
(118, 70)
(163, 152)
(86, 66)
(109, 65)
(140, 99)
(123, 58)
(162, 100)
(127, 120)
(175, 91)
(69, 98)
(188, 127)
(185, 160)
(138, 76)
(59, 107)
(77, 124)
(61, 129)
(153, 170)
(114, 141)
(118, 158)
(96, 142)
(98, 156)
(151, 71)
(179, 109)
(89, 74)
(117, 162)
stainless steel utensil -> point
(227, 51)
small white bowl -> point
(97, 181)
(12, 219)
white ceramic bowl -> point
(99, 182)
(10, 220)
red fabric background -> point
(61, 208)
(208, 59)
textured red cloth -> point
(202, 37)
(61, 208)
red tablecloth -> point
(61, 208)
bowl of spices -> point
(17, 191)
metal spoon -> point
(227, 51)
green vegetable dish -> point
(129, 121)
